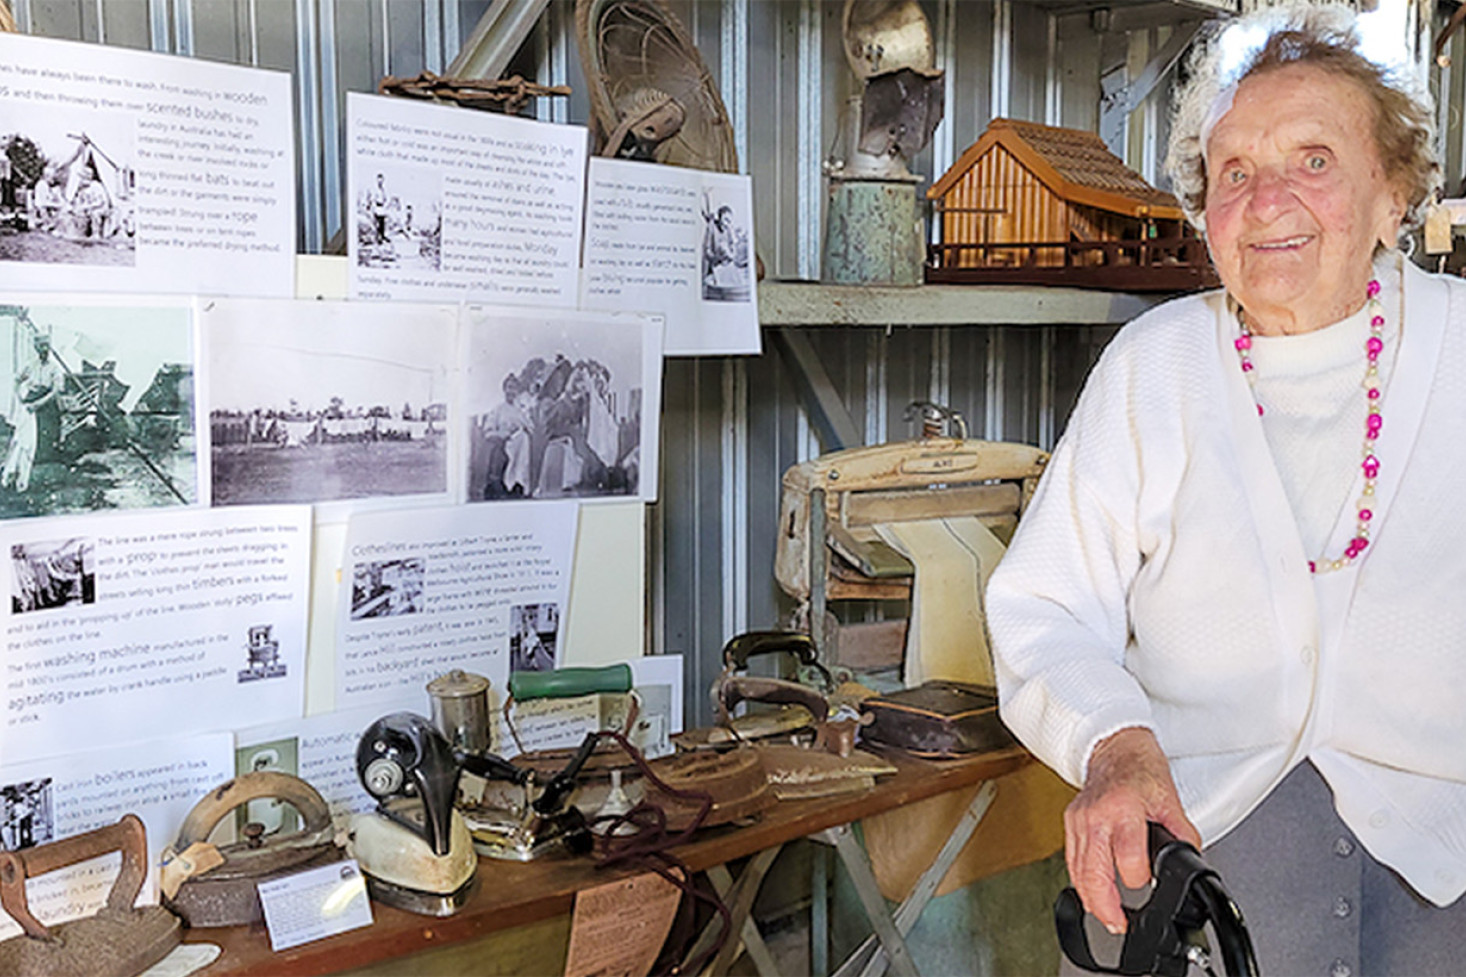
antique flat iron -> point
(415, 848)
(121, 939)
(1167, 934)
(217, 885)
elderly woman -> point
(1235, 604)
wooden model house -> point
(1035, 204)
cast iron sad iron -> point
(414, 849)
(120, 939)
(218, 886)
(1167, 934)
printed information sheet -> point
(452, 204)
(675, 241)
(481, 588)
(130, 627)
(47, 800)
(138, 172)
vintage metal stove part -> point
(461, 710)
(119, 939)
(227, 894)
(414, 848)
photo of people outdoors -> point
(54, 573)
(399, 219)
(67, 187)
(27, 817)
(100, 411)
(532, 630)
(565, 420)
(726, 272)
(330, 401)
(387, 588)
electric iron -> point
(1167, 934)
(414, 849)
(534, 828)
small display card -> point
(314, 904)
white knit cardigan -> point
(1158, 580)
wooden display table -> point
(515, 895)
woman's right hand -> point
(1127, 785)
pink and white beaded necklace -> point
(1372, 423)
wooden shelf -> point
(784, 303)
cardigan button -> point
(1340, 969)
(1343, 847)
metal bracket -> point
(1119, 98)
(887, 947)
(817, 392)
(496, 38)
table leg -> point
(921, 894)
(857, 865)
(739, 900)
(753, 941)
(819, 912)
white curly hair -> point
(1323, 35)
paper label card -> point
(430, 590)
(450, 204)
(42, 801)
(139, 172)
(676, 241)
(315, 904)
(137, 627)
(618, 929)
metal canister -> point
(461, 709)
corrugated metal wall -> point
(731, 426)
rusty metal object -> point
(735, 780)
(118, 940)
(227, 895)
(507, 95)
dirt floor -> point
(265, 473)
(45, 247)
(114, 479)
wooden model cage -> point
(1036, 204)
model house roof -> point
(1073, 163)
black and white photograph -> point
(555, 407)
(532, 629)
(727, 272)
(67, 186)
(99, 408)
(274, 756)
(399, 216)
(387, 588)
(320, 401)
(262, 655)
(27, 815)
(53, 573)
